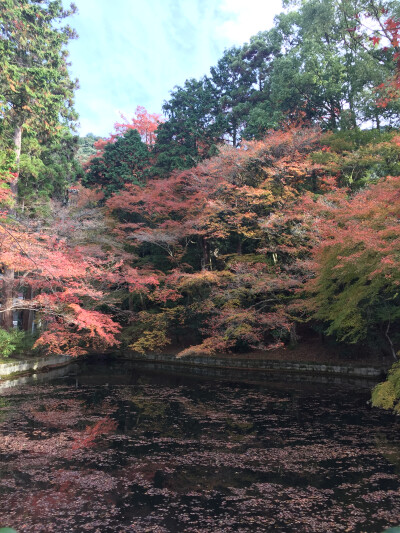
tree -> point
(260, 54)
(387, 394)
(87, 147)
(356, 158)
(126, 160)
(35, 86)
(192, 131)
(233, 80)
(143, 122)
(220, 274)
(47, 170)
(323, 72)
(354, 291)
(62, 287)
(69, 273)
(374, 27)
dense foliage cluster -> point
(268, 196)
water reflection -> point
(111, 449)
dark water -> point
(119, 449)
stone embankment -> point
(20, 372)
(33, 365)
(255, 364)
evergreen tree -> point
(36, 90)
(193, 129)
(124, 161)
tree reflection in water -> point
(136, 452)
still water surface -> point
(125, 449)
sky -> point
(133, 52)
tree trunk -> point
(293, 335)
(130, 302)
(9, 273)
(314, 181)
(332, 114)
(17, 150)
(378, 122)
(392, 350)
(353, 119)
(205, 260)
(234, 135)
(8, 298)
(27, 314)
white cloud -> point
(246, 18)
(135, 53)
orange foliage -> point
(80, 196)
(102, 427)
(144, 122)
(68, 282)
(222, 195)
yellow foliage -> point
(150, 341)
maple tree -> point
(143, 122)
(354, 290)
(68, 271)
(387, 394)
(59, 277)
(359, 158)
(211, 218)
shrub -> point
(9, 341)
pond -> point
(124, 449)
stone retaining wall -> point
(40, 377)
(33, 365)
(372, 372)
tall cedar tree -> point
(35, 86)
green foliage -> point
(360, 157)
(193, 129)
(35, 88)
(151, 332)
(47, 169)
(326, 73)
(233, 79)
(387, 394)
(86, 147)
(150, 341)
(124, 161)
(10, 341)
(355, 291)
(348, 300)
(7, 159)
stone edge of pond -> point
(369, 371)
(32, 366)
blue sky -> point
(133, 52)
